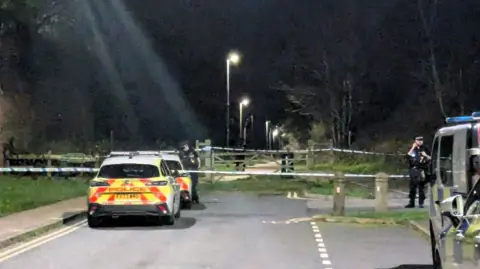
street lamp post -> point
(233, 58)
(267, 134)
(242, 104)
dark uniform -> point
(240, 159)
(189, 159)
(417, 169)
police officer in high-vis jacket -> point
(191, 161)
(418, 158)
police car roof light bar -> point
(476, 115)
(460, 119)
(156, 153)
(120, 153)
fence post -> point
(97, 160)
(339, 194)
(309, 159)
(49, 163)
(381, 192)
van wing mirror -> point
(453, 205)
(453, 208)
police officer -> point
(191, 161)
(240, 159)
(418, 157)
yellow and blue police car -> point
(133, 184)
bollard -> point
(381, 192)
(49, 163)
(339, 195)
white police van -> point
(455, 194)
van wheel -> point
(437, 263)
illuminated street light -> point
(233, 58)
(275, 133)
(243, 103)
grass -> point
(278, 185)
(224, 167)
(22, 193)
(402, 215)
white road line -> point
(321, 246)
(14, 251)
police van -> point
(455, 194)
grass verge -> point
(22, 193)
(277, 185)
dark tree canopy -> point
(154, 71)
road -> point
(233, 231)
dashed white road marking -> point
(294, 195)
(321, 246)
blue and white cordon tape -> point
(228, 173)
(48, 169)
(305, 151)
(263, 173)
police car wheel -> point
(169, 220)
(178, 214)
(93, 222)
(187, 205)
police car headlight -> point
(99, 184)
(157, 183)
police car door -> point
(176, 186)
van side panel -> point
(459, 160)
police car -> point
(455, 194)
(133, 184)
(183, 179)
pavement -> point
(15, 225)
(323, 204)
(229, 230)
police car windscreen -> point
(119, 171)
(174, 165)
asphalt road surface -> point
(230, 231)
(374, 247)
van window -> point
(445, 161)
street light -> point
(267, 133)
(243, 103)
(233, 58)
(275, 133)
